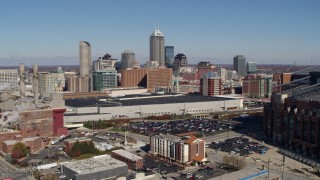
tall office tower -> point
(169, 55)
(251, 67)
(157, 47)
(9, 79)
(85, 58)
(210, 84)
(239, 65)
(180, 60)
(127, 59)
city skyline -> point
(266, 32)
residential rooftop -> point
(95, 164)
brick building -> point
(159, 79)
(134, 77)
(257, 86)
(183, 150)
(154, 79)
(292, 119)
(210, 84)
(133, 161)
(33, 144)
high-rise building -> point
(127, 59)
(239, 65)
(169, 55)
(180, 60)
(85, 58)
(251, 67)
(211, 84)
(105, 62)
(103, 79)
(51, 82)
(9, 80)
(157, 47)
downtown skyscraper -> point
(85, 58)
(169, 56)
(157, 47)
(239, 65)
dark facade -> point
(180, 60)
(293, 116)
(239, 65)
(169, 55)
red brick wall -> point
(58, 120)
(131, 164)
(193, 150)
(7, 136)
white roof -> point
(95, 164)
(157, 32)
(127, 154)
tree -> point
(19, 150)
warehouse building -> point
(98, 167)
(144, 105)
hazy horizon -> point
(266, 32)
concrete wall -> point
(116, 112)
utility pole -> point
(283, 160)
(268, 167)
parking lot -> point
(156, 165)
(240, 146)
(200, 126)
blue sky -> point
(265, 31)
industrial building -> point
(292, 117)
(133, 161)
(9, 80)
(68, 143)
(184, 149)
(98, 167)
(144, 105)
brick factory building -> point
(33, 144)
(133, 161)
(183, 150)
(292, 119)
(42, 123)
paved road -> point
(8, 171)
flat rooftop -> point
(95, 164)
(167, 136)
(78, 139)
(127, 154)
(140, 99)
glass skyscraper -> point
(169, 55)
